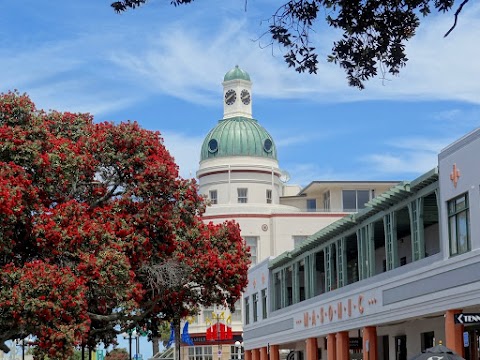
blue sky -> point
(163, 66)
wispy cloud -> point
(439, 68)
(64, 75)
(402, 158)
(186, 59)
(407, 155)
(401, 163)
(417, 143)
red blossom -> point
(88, 211)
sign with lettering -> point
(355, 342)
(330, 312)
(471, 318)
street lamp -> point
(24, 342)
(239, 346)
(129, 335)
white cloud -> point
(99, 69)
(304, 173)
(441, 68)
(187, 64)
(61, 75)
(401, 163)
(401, 159)
(65, 96)
(283, 141)
(408, 155)
(421, 144)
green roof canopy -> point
(238, 136)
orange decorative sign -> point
(454, 175)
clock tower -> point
(237, 94)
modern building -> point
(384, 283)
(240, 175)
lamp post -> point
(128, 336)
(132, 334)
(137, 343)
(239, 346)
(24, 342)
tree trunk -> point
(155, 345)
(178, 340)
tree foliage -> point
(373, 32)
(98, 233)
(117, 354)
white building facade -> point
(385, 283)
(240, 175)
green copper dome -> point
(238, 136)
(236, 74)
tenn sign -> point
(467, 318)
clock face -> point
(245, 96)
(230, 97)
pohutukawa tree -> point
(373, 32)
(98, 233)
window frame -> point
(357, 205)
(255, 306)
(454, 213)
(252, 242)
(200, 352)
(213, 199)
(268, 195)
(310, 202)
(326, 200)
(264, 303)
(246, 301)
(242, 198)
(237, 314)
(234, 352)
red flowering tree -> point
(117, 354)
(98, 233)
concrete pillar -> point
(311, 348)
(370, 338)
(274, 352)
(454, 332)
(248, 355)
(331, 347)
(343, 346)
(255, 354)
(263, 353)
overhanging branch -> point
(456, 17)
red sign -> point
(219, 332)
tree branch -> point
(106, 197)
(163, 276)
(456, 17)
(8, 335)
